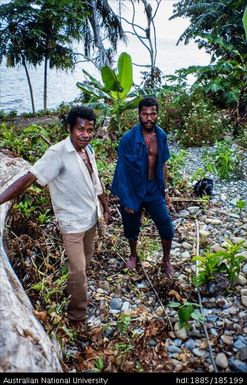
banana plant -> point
(113, 94)
(245, 22)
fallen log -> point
(25, 346)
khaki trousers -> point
(79, 248)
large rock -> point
(25, 346)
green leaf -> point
(110, 79)
(38, 286)
(197, 315)
(174, 304)
(125, 73)
(245, 22)
(92, 90)
(185, 312)
(93, 80)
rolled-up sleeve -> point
(47, 167)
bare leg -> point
(166, 245)
(132, 261)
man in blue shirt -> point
(140, 181)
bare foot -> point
(168, 268)
(131, 263)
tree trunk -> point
(45, 83)
(102, 54)
(25, 346)
(29, 84)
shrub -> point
(191, 118)
(223, 161)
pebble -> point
(242, 280)
(244, 300)
(214, 332)
(199, 352)
(116, 304)
(228, 340)
(237, 365)
(185, 254)
(179, 332)
(173, 349)
(193, 210)
(204, 233)
(186, 245)
(189, 344)
(221, 360)
(217, 248)
(177, 342)
(244, 269)
(243, 354)
(240, 343)
(125, 306)
(152, 342)
(184, 213)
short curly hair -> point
(148, 101)
(80, 112)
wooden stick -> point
(200, 300)
(155, 292)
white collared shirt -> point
(73, 191)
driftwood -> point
(25, 346)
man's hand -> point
(128, 210)
(169, 202)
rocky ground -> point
(143, 295)
(130, 325)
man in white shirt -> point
(69, 169)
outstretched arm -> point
(16, 188)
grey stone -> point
(240, 343)
(193, 209)
(228, 340)
(179, 332)
(244, 269)
(174, 349)
(237, 365)
(212, 318)
(185, 254)
(190, 344)
(204, 233)
(116, 304)
(244, 300)
(221, 360)
(242, 280)
(243, 354)
(177, 342)
(152, 342)
(125, 306)
(213, 331)
(184, 213)
(187, 245)
(199, 352)
(139, 331)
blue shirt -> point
(131, 175)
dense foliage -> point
(217, 26)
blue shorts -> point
(155, 205)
